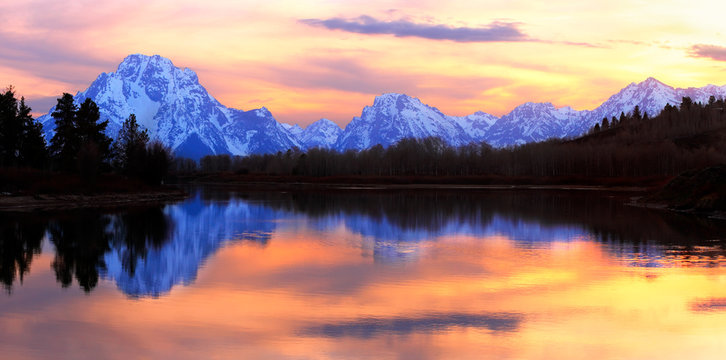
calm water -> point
(413, 275)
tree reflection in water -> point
(137, 231)
(20, 240)
(81, 239)
(147, 251)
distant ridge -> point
(177, 110)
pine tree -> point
(10, 128)
(623, 119)
(130, 147)
(636, 113)
(90, 130)
(79, 141)
(21, 137)
(33, 150)
(64, 145)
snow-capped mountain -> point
(293, 129)
(397, 116)
(322, 133)
(176, 109)
(537, 122)
(477, 124)
(532, 122)
(651, 96)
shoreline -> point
(303, 186)
(55, 202)
(490, 182)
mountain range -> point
(176, 109)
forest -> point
(680, 138)
(79, 153)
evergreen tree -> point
(623, 119)
(79, 141)
(158, 162)
(10, 128)
(33, 150)
(90, 130)
(130, 148)
(21, 137)
(65, 144)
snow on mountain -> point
(257, 132)
(397, 116)
(322, 133)
(476, 124)
(537, 122)
(294, 130)
(531, 122)
(176, 109)
(650, 96)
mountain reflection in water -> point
(147, 251)
(365, 274)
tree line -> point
(680, 138)
(79, 144)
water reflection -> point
(186, 235)
(20, 240)
(147, 251)
(370, 274)
(368, 328)
(81, 239)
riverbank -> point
(38, 190)
(49, 202)
(701, 192)
(492, 182)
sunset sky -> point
(305, 60)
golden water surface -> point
(281, 282)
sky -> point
(306, 60)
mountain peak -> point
(263, 112)
(321, 134)
(133, 66)
(388, 99)
(653, 82)
(534, 106)
(324, 122)
(135, 62)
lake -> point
(467, 274)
